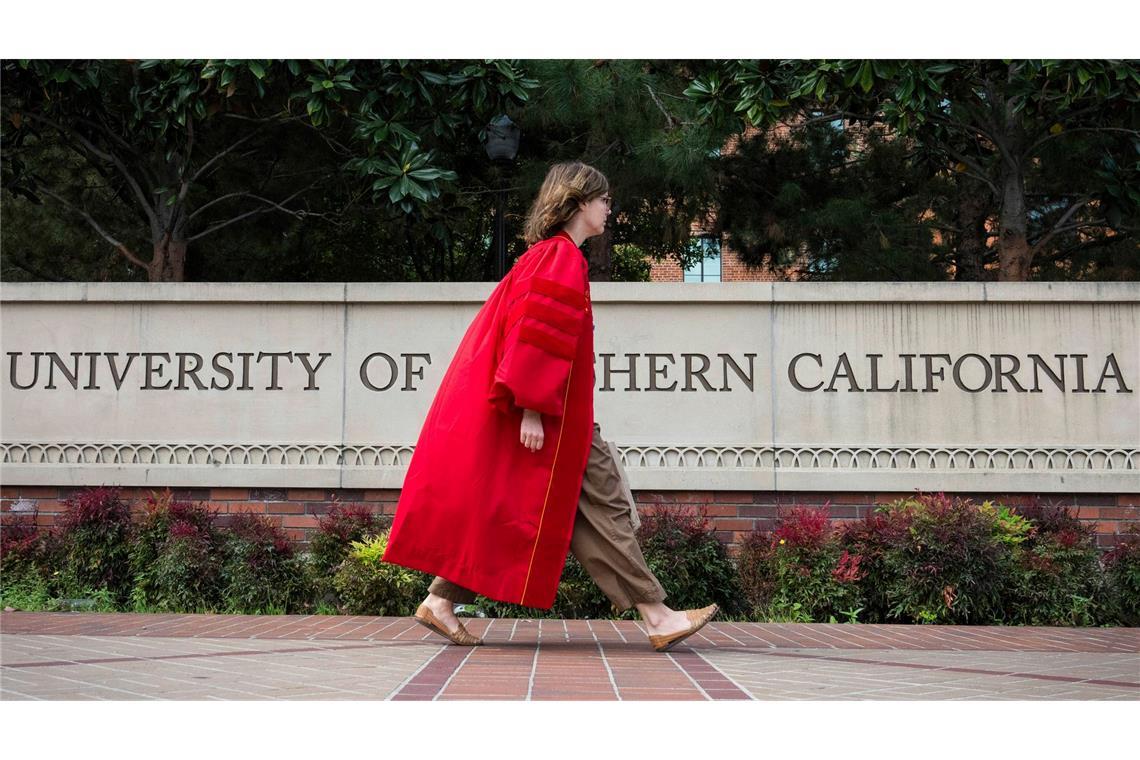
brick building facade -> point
(721, 263)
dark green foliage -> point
(331, 544)
(923, 559)
(381, 169)
(20, 544)
(176, 557)
(158, 142)
(578, 597)
(852, 209)
(366, 585)
(628, 118)
(681, 550)
(1122, 580)
(338, 529)
(1058, 578)
(1048, 149)
(95, 532)
(938, 559)
(951, 568)
(24, 563)
(629, 264)
(688, 559)
(259, 572)
(930, 559)
(184, 578)
(801, 572)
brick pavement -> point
(135, 656)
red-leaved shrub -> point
(95, 532)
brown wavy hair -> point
(566, 185)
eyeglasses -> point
(608, 200)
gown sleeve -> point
(540, 340)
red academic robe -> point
(477, 506)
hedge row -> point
(924, 559)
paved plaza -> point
(81, 656)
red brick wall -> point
(732, 269)
(732, 514)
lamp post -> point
(502, 145)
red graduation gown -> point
(478, 507)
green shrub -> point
(30, 578)
(689, 560)
(934, 559)
(1122, 581)
(871, 539)
(1057, 579)
(28, 591)
(20, 547)
(578, 597)
(366, 585)
(259, 573)
(25, 568)
(95, 541)
(800, 572)
(175, 557)
(679, 548)
(332, 542)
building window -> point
(707, 268)
(835, 124)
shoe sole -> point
(435, 630)
(675, 642)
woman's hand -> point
(531, 433)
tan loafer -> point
(459, 636)
(697, 620)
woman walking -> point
(510, 471)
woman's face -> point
(595, 213)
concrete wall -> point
(724, 386)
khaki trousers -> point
(603, 540)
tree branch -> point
(983, 124)
(1068, 117)
(669, 118)
(189, 150)
(110, 133)
(82, 212)
(184, 185)
(299, 213)
(1083, 225)
(608, 148)
(1029, 151)
(1097, 243)
(220, 225)
(144, 201)
(214, 202)
(21, 264)
(967, 127)
(1059, 226)
(979, 173)
(265, 123)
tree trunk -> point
(1014, 253)
(169, 262)
(970, 218)
(168, 231)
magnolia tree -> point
(158, 137)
